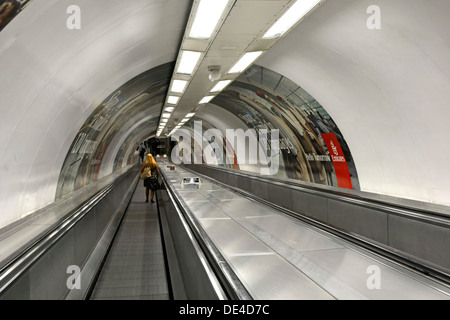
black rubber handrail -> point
(231, 284)
(20, 263)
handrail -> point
(19, 264)
(232, 285)
(383, 250)
(421, 214)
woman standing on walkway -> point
(152, 181)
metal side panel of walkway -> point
(281, 258)
(135, 266)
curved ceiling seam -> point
(430, 58)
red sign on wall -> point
(339, 161)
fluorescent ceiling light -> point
(169, 109)
(164, 120)
(178, 86)
(220, 85)
(206, 99)
(190, 115)
(206, 18)
(173, 99)
(245, 61)
(290, 17)
(166, 115)
(188, 61)
(184, 121)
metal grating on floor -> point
(135, 267)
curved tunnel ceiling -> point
(52, 79)
(111, 122)
(387, 90)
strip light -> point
(178, 86)
(206, 18)
(206, 99)
(173, 99)
(245, 61)
(220, 85)
(188, 62)
(290, 17)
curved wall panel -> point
(53, 78)
(387, 89)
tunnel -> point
(336, 120)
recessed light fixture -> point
(188, 61)
(206, 99)
(178, 86)
(166, 115)
(190, 115)
(220, 85)
(206, 18)
(169, 109)
(290, 17)
(245, 61)
(173, 100)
